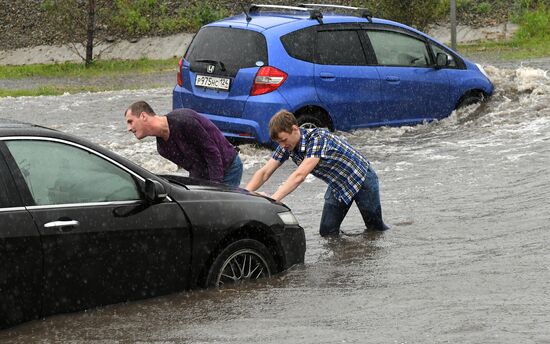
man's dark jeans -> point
(234, 172)
(367, 200)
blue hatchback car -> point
(342, 71)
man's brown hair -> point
(138, 107)
(281, 122)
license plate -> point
(212, 82)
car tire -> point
(469, 99)
(241, 261)
(310, 122)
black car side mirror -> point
(441, 60)
(154, 191)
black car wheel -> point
(309, 122)
(469, 99)
(241, 261)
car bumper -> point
(292, 246)
(238, 128)
(250, 124)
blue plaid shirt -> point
(340, 166)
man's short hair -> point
(281, 122)
(138, 107)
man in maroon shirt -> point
(189, 140)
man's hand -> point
(296, 178)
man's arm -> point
(262, 175)
(296, 178)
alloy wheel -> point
(243, 265)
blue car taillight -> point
(179, 76)
(267, 79)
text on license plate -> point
(212, 82)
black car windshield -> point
(232, 48)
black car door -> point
(20, 255)
(102, 242)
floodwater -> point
(466, 259)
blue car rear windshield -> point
(235, 48)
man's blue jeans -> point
(234, 172)
(367, 200)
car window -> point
(396, 49)
(235, 48)
(339, 47)
(437, 49)
(58, 173)
(299, 44)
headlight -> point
(482, 71)
(288, 218)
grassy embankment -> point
(531, 41)
(509, 50)
(100, 69)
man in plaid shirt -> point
(348, 174)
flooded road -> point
(466, 260)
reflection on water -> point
(466, 259)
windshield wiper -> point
(220, 63)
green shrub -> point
(534, 24)
(134, 16)
(464, 5)
(142, 17)
(171, 25)
(206, 14)
(520, 7)
(202, 13)
(416, 13)
(483, 8)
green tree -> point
(78, 23)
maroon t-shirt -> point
(196, 145)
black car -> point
(81, 227)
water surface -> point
(466, 259)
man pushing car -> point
(189, 140)
(349, 175)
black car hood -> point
(215, 190)
(200, 184)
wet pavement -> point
(466, 259)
